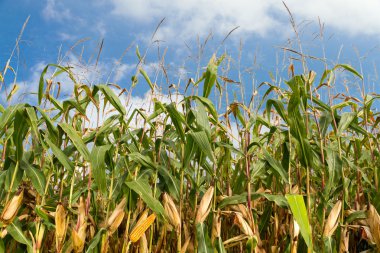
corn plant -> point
(301, 175)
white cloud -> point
(188, 18)
(145, 104)
(27, 90)
(121, 71)
(100, 28)
(91, 74)
(67, 37)
(350, 16)
(56, 11)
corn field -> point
(288, 173)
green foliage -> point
(290, 158)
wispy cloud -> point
(198, 17)
(56, 11)
(189, 18)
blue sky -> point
(351, 32)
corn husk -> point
(344, 240)
(116, 217)
(373, 221)
(171, 212)
(204, 206)
(243, 225)
(60, 226)
(332, 220)
(11, 208)
(79, 232)
(143, 244)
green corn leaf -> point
(334, 167)
(72, 103)
(8, 115)
(98, 157)
(143, 190)
(279, 106)
(210, 76)
(53, 131)
(204, 242)
(177, 119)
(220, 246)
(35, 175)
(32, 121)
(276, 166)
(208, 104)
(15, 230)
(202, 141)
(202, 118)
(279, 200)
(143, 160)
(147, 79)
(95, 241)
(298, 208)
(2, 246)
(350, 69)
(76, 140)
(21, 127)
(345, 121)
(324, 122)
(111, 97)
(41, 84)
(60, 71)
(62, 158)
(251, 245)
(171, 182)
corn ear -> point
(11, 208)
(116, 217)
(344, 240)
(332, 220)
(60, 226)
(373, 221)
(216, 226)
(142, 218)
(79, 233)
(171, 212)
(39, 236)
(139, 230)
(243, 225)
(204, 206)
(143, 244)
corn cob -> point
(138, 231)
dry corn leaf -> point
(373, 221)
